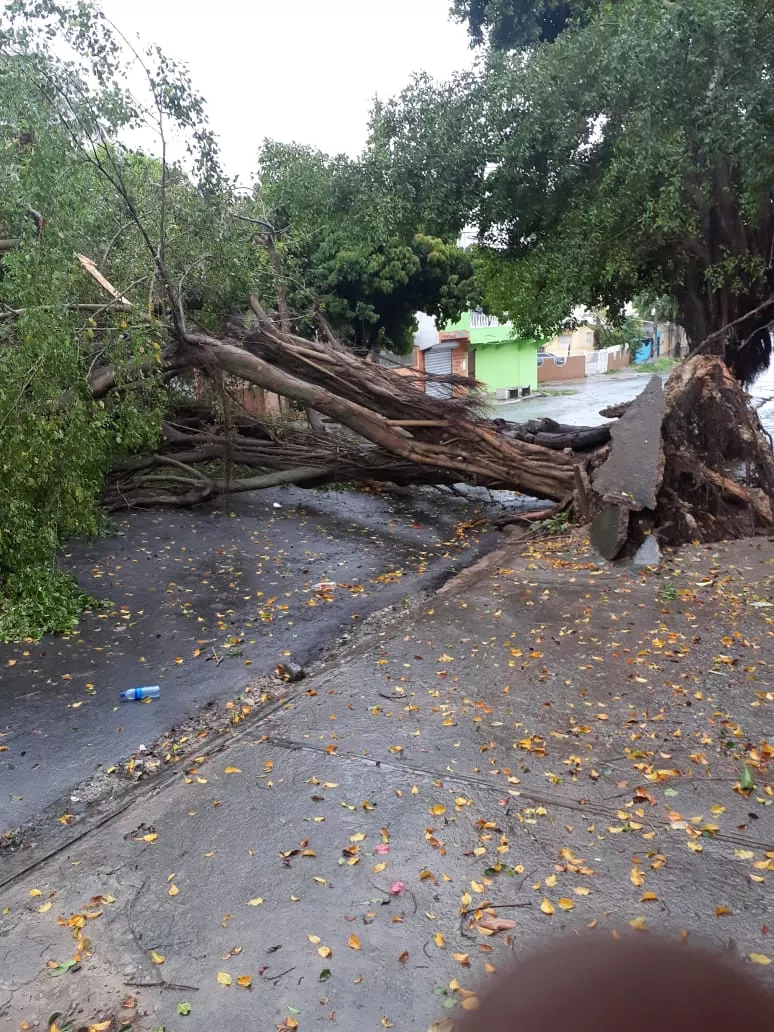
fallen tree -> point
(391, 429)
(705, 459)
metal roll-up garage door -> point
(438, 360)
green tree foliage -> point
(630, 152)
(67, 186)
(515, 24)
(431, 151)
(642, 163)
(352, 247)
(626, 333)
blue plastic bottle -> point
(150, 692)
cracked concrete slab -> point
(633, 471)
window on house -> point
(565, 342)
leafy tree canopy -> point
(68, 184)
(629, 153)
(515, 24)
(352, 247)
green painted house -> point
(501, 361)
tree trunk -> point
(743, 339)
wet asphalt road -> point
(239, 582)
(583, 404)
(584, 399)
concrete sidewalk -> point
(549, 743)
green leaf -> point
(62, 969)
(747, 781)
(671, 792)
(183, 1009)
(325, 974)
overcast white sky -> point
(303, 70)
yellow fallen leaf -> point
(470, 1003)
(385, 1022)
(722, 911)
(581, 890)
(173, 890)
(551, 881)
(35, 892)
(255, 902)
(648, 897)
(439, 940)
(547, 907)
(232, 770)
(358, 837)
(314, 939)
(101, 1026)
(636, 877)
(45, 907)
(224, 978)
(565, 903)
(759, 958)
(150, 837)
(244, 981)
(437, 810)
(378, 868)
(462, 958)
(639, 923)
(353, 942)
(157, 958)
(325, 952)
(477, 886)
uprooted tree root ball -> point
(718, 462)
